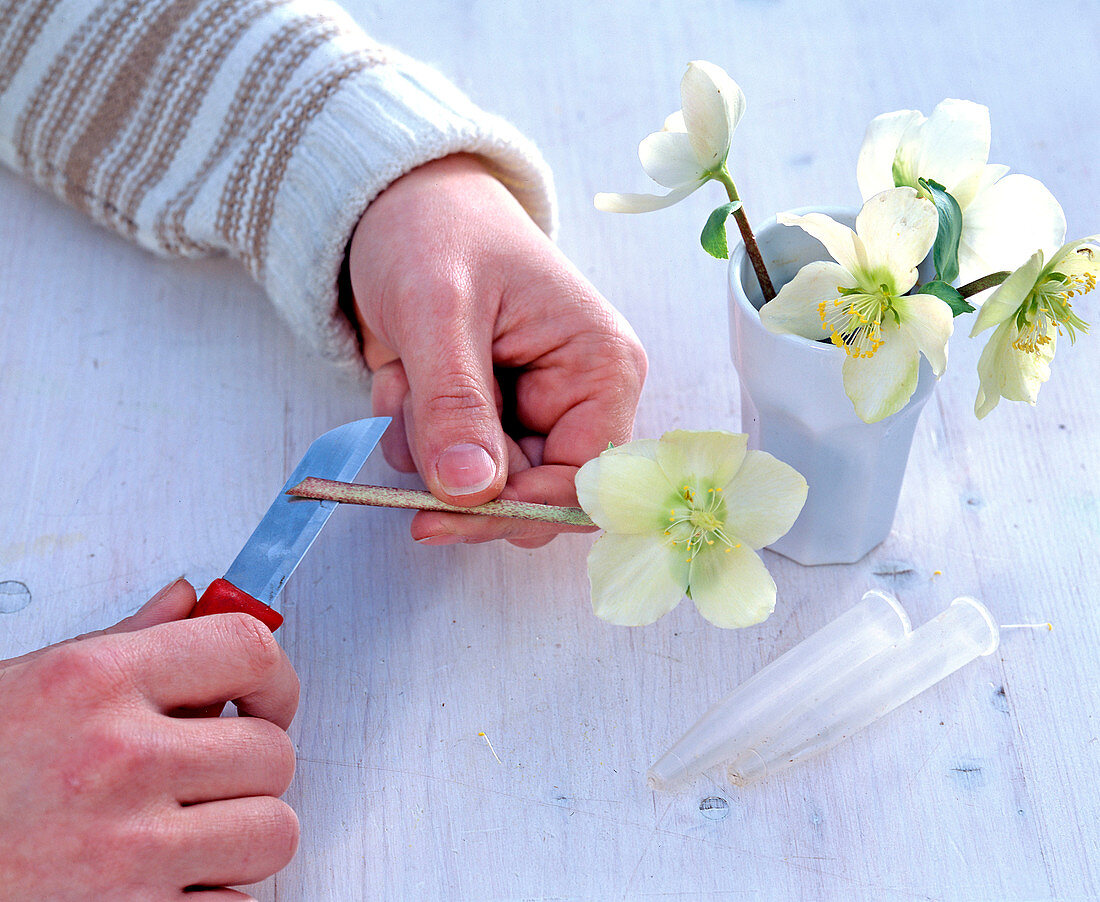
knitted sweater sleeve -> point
(257, 128)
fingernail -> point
(168, 588)
(465, 469)
(445, 539)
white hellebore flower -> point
(860, 301)
(693, 145)
(1030, 309)
(1004, 217)
(683, 514)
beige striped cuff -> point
(378, 123)
(260, 128)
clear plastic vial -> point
(862, 694)
(745, 718)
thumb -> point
(173, 602)
(451, 415)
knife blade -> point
(289, 527)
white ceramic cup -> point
(794, 407)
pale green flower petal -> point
(894, 232)
(1078, 257)
(1009, 295)
(928, 321)
(966, 190)
(639, 447)
(732, 589)
(874, 170)
(1005, 224)
(668, 159)
(898, 229)
(1007, 372)
(716, 499)
(712, 104)
(701, 460)
(675, 122)
(1012, 366)
(984, 403)
(795, 308)
(763, 500)
(625, 493)
(635, 579)
(949, 146)
(1023, 372)
(990, 175)
(609, 202)
(883, 384)
(841, 242)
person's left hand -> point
(115, 785)
(503, 368)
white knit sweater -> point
(257, 128)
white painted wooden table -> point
(150, 409)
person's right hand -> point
(106, 792)
(503, 368)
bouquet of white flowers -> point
(929, 192)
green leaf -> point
(713, 238)
(945, 252)
(948, 295)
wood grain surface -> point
(468, 729)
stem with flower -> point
(685, 515)
(690, 150)
(1028, 311)
(861, 302)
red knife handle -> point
(222, 597)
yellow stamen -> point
(856, 327)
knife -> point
(289, 527)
